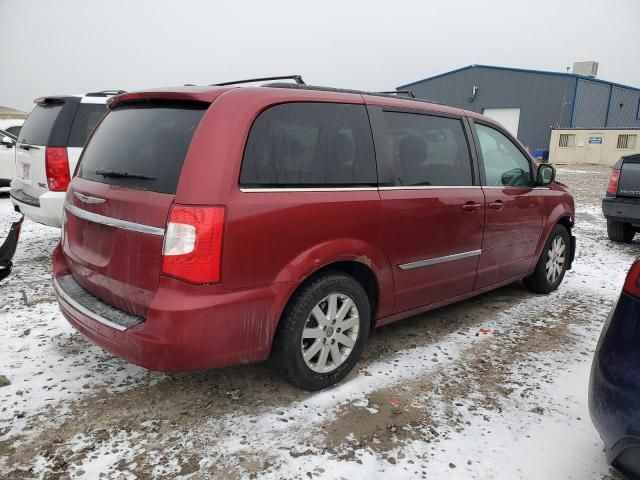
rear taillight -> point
(193, 243)
(632, 283)
(57, 167)
(612, 188)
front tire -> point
(322, 332)
(620, 232)
(552, 264)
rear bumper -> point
(46, 209)
(621, 210)
(187, 327)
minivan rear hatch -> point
(118, 202)
(629, 182)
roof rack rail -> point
(408, 93)
(105, 93)
(296, 78)
(394, 94)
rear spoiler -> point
(182, 94)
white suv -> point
(48, 148)
(7, 158)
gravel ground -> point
(493, 387)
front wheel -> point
(552, 264)
(322, 332)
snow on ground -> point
(491, 388)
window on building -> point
(627, 141)
(567, 140)
(428, 150)
(310, 144)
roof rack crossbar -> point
(296, 78)
(408, 93)
(105, 93)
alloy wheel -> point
(555, 259)
(330, 333)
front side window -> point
(310, 144)
(428, 150)
(504, 163)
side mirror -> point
(7, 142)
(546, 174)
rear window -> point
(38, 125)
(141, 146)
(310, 144)
(86, 119)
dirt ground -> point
(469, 390)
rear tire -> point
(322, 331)
(620, 232)
(552, 264)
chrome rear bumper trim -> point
(84, 310)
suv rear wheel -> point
(620, 231)
(552, 264)
(322, 332)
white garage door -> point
(509, 118)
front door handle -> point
(497, 205)
(471, 206)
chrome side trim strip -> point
(85, 310)
(427, 187)
(310, 189)
(435, 261)
(113, 222)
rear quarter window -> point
(310, 144)
(141, 146)
(38, 126)
(87, 117)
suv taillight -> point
(632, 283)
(612, 188)
(193, 243)
(57, 167)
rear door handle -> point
(497, 205)
(471, 206)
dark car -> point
(614, 391)
(211, 226)
(621, 205)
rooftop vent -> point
(587, 69)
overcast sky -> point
(75, 46)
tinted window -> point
(141, 140)
(428, 150)
(504, 163)
(87, 117)
(39, 123)
(15, 131)
(310, 144)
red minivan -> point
(213, 226)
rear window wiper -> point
(114, 174)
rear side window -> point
(87, 117)
(39, 124)
(428, 150)
(310, 144)
(141, 146)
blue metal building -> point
(530, 102)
